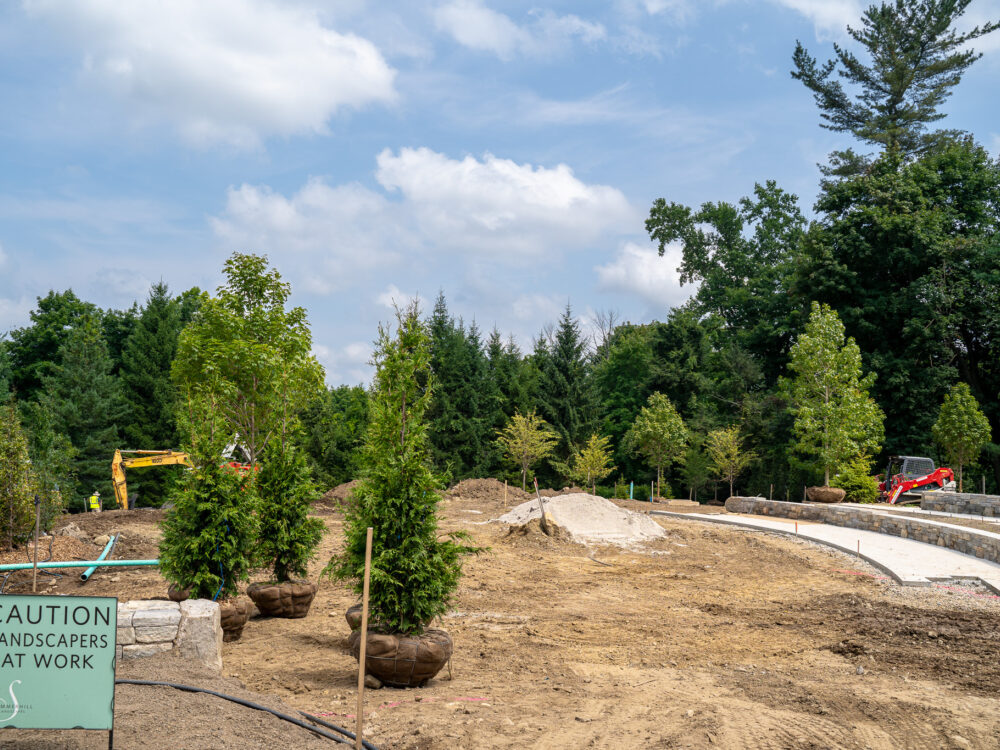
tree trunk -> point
(659, 476)
(730, 488)
(524, 479)
(959, 477)
(826, 476)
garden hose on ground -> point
(251, 704)
(343, 731)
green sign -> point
(57, 661)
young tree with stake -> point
(659, 434)
(961, 428)
(726, 454)
(527, 440)
(593, 462)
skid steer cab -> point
(911, 473)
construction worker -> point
(94, 502)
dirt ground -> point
(712, 637)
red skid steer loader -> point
(911, 473)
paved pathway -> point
(910, 562)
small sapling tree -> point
(659, 434)
(288, 536)
(526, 440)
(961, 428)
(726, 454)
(413, 571)
(593, 462)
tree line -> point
(900, 262)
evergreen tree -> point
(17, 481)
(6, 374)
(288, 536)
(513, 378)
(117, 326)
(53, 459)
(149, 394)
(85, 401)
(413, 572)
(563, 392)
(210, 534)
(835, 419)
(34, 349)
(333, 431)
(917, 58)
(961, 428)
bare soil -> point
(711, 637)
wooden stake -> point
(541, 506)
(505, 493)
(364, 641)
(34, 570)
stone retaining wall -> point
(961, 502)
(193, 628)
(981, 544)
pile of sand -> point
(339, 495)
(588, 518)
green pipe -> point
(79, 564)
(85, 575)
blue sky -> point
(505, 153)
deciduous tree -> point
(961, 428)
(659, 434)
(17, 481)
(726, 454)
(526, 441)
(592, 463)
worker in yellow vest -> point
(94, 502)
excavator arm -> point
(140, 459)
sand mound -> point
(588, 518)
(339, 494)
(486, 489)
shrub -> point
(857, 481)
(18, 483)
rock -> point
(200, 633)
(156, 622)
(825, 494)
(373, 682)
(145, 649)
(101, 541)
(960, 741)
(859, 670)
(125, 636)
(71, 529)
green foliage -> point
(288, 536)
(696, 472)
(210, 535)
(34, 350)
(332, 433)
(85, 401)
(413, 572)
(117, 326)
(150, 395)
(659, 434)
(53, 459)
(592, 462)
(18, 484)
(526, 440)
(6, 374)
(835, 419)
(856, 479)
(961, 428)
(250, 354)
(916, 59)
(726, 454)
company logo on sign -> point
(13, 700)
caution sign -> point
(57, 662)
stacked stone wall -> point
(962, 502)
(192, 628)
(980, 544)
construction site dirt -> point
(708, 637)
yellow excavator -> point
(138, 459)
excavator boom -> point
(140, 459)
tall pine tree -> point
(85, 399)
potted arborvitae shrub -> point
(210, 533)
(288, 536)
(414, 572)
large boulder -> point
(825, 494)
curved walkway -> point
(910, 562)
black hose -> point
(343, 731)
(242, 702)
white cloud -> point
(529, 308)
(230, 71)
(500, 207)
(347, 364)
(3, 256)
(830, 17)
(642, 271)
(392, 298)
(473, 25)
